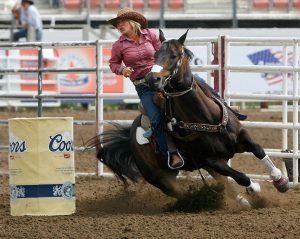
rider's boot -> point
(175, 160)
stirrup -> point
(177, 165)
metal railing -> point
(231, 42)
(99, 70)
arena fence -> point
(285, 43)
(218, 63)
(100, 69)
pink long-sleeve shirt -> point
(139, 56)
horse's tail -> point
(113, 149)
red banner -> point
(85, 83)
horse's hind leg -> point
(280, 181)
(166, 183)
(155, 174)
(231, 192)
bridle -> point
(198, 127)
(174, 72)
(176, 94)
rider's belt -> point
(139, 81)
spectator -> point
(30, 17)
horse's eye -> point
(173, 56)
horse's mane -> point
(189, 54)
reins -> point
(176, 94)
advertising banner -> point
(252, 82)
(85, 83)
(263, 82)
(29, 60)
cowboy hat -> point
(129, 14)
(28, 1)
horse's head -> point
(170, 63)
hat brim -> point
(135, 16)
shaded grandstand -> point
(177, 13)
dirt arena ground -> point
(105, 209)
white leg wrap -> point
(274, 172)
(253, 188)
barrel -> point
(41, 166)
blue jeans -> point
(155, 116)
(22, 33)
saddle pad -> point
(139, 136)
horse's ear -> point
(161, 36)
(183, 37)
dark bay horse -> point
(204, 129)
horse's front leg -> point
(280, 181)
(221, 167)
(231, 192)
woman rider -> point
(135, 48)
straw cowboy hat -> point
(129, 14)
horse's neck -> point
(184, 79)
(196, 106)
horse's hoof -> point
(282, 184)
(243, 201)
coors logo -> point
(61, 143)
(16, 145)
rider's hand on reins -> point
(127, 71)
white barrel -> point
(41, 166)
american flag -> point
(267, 57)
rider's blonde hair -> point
(135, 26)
